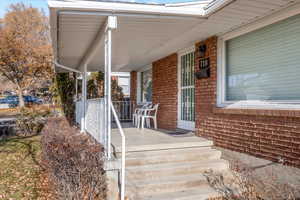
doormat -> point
(181, 133)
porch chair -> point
(139, 111)
(147, 116)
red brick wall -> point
(164, 92)
(133, 86)
(268, 134)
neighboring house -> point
(123, 80)
(227, 69)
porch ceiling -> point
(133, 42)
(142, 39)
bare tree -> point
(25, 50)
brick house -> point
(229, 70)
(256, 125)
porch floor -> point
(150, 139)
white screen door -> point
(186, 97)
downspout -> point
(83, 105)
(66, 68)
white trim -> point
(186, 50)
(66, 68)
(84, 99)
(204, 3)
(215, 6)
(188, 125)
(160, 10)
(122, 74)
(271, 19)
(126, 8)
(221, 69)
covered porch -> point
(151, 139)
(114, 36)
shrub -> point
(73, 162)
(31, 120)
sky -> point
(4, 4)
(42, 4)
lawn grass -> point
(20, 169)
(14, 112)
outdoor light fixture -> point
(202, 50)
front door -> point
(186, 97)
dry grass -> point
(243, 184)
(8, 112)
(20, 169)
(12, 112)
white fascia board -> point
(204, 3)
(120, 74)
(215, 6)
(176, 9)
(113, 7)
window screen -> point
(265, 64)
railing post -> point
(76, 88)
(111, 24)
(83, 101)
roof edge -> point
(121, 7)
(176, 9)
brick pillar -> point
(165, 89)
(133, 86)
(205, 88)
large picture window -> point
(146, 86)
(264, 65)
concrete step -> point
(154, 171)
(166, 146)
(166, 184)
(172, 156)
(203, 192)
(165, 152)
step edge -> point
(172, 165)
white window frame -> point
(188, 125)
(139, 87)
(221, 63)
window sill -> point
(258, 111)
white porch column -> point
(76, 88)
(111, 24)
(83, 100)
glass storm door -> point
(186, 92)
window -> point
(124, 83)
(263, 65)
(146, 86)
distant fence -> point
(124, 110)
(95, 115)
